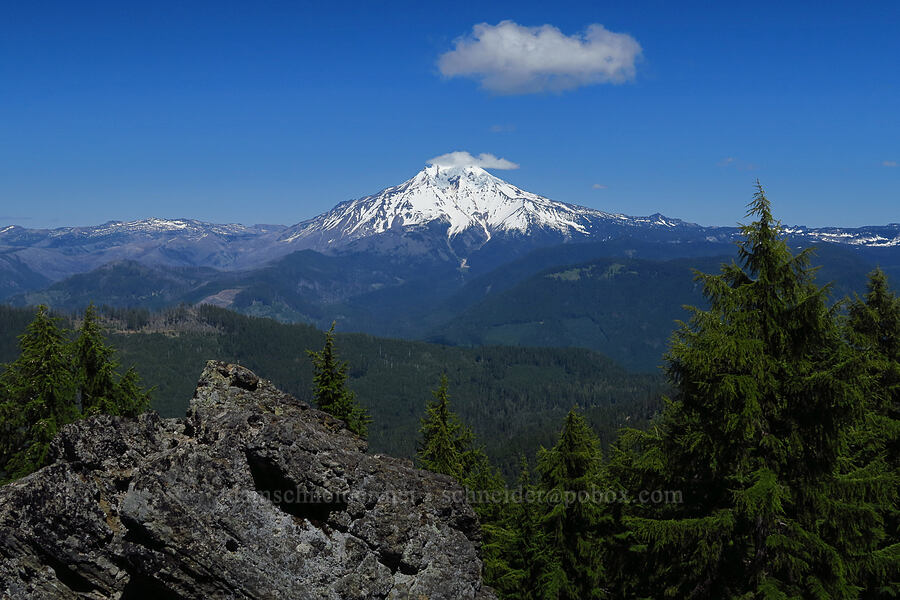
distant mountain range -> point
(413, 261)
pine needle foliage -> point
(330, 391)
(766, 389)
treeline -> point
(59, 377)
(772, 471)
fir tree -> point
(444, 438)
(38, 397)
(130, 397)
(99, 390)
(515, 551)
(874, 456)
(766, 389)
(95, 376)
(330, 390)
(572, 520)
(449, 447)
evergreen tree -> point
(874, 457)
(95, 376)
(448, 446)
(515, 551)
(330, 390)
(444, 438)
(572, 519)
(38, 397)
(766, 389)
(130, 397)
(99, 390)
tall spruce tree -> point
(766, 389)
(38, 397)
(330, 390)
(874, 457)
(572, 520)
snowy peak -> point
(465, 199)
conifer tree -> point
(131, 398)
(444, 437)
(572, 519)
(99, 389)
(95, 376)
(330, 390)
(874, 454)
(38, 397)
(448, 446)
(766, 390)
(515, 551)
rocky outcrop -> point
(253, 495)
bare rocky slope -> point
(253, 495)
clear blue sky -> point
(272, 112)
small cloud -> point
(464, 159)
(598, 186)
(502, 128)
(889, 163)
(509, 58)
(740, 165)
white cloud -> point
(464, 159)
(889, 163)
(509, 58)
(598, 186)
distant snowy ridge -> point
(880, 236)
(185, 228)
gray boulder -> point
(253, 495)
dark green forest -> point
(514, 396)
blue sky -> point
(274, 112)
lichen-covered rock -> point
(253, 495)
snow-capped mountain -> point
(462, 203)
(455, 215)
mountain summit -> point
(468, 205)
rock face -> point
(253, 495)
